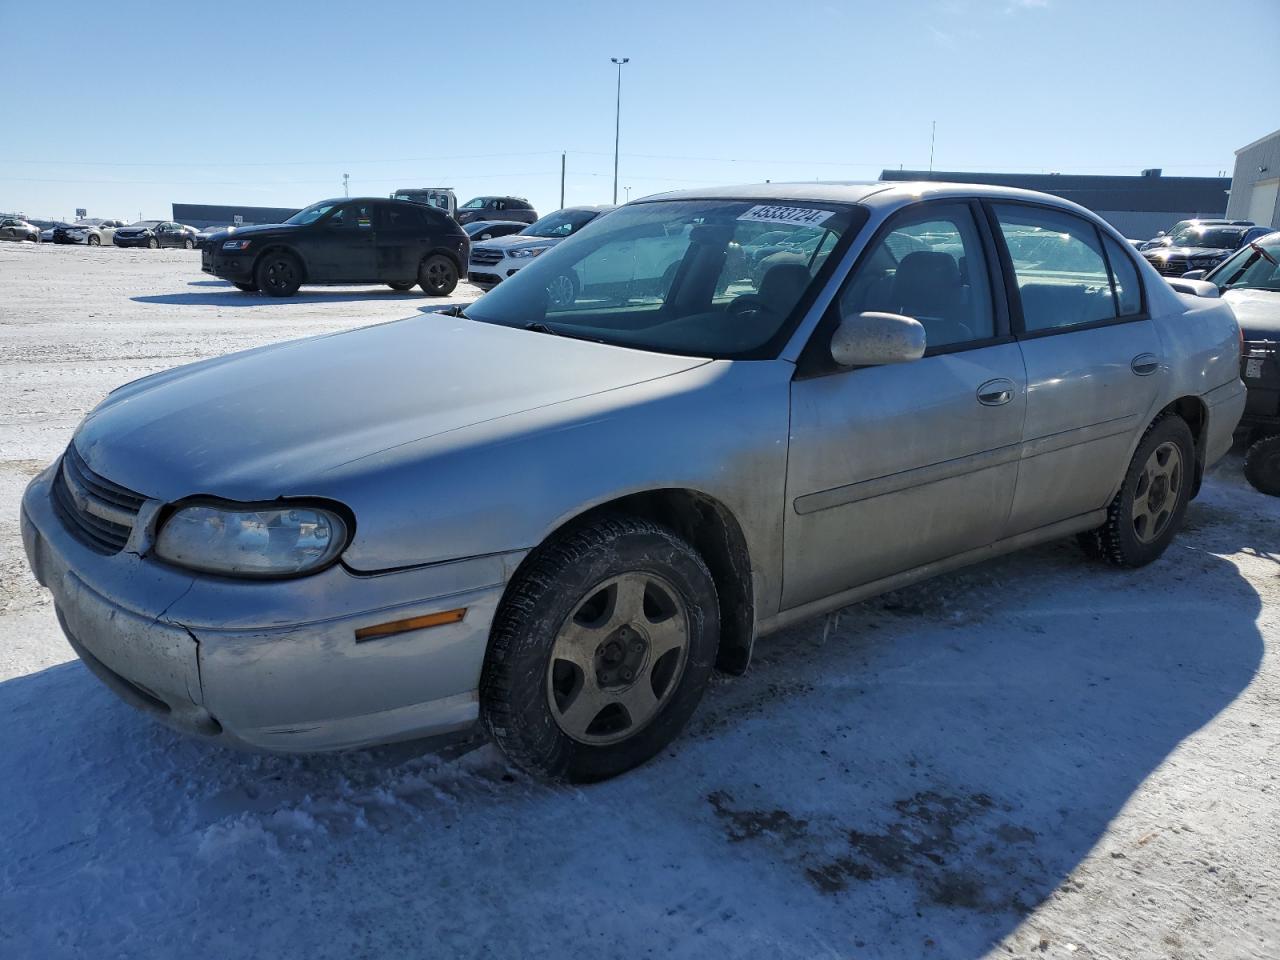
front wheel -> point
(1147, 512)
(1262, 465)
(278, 274)
(188, 244)
(153, 243)
(438, 276)
(94, 241)
(600, 651)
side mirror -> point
(874, 339)
(1194, 274)
(1160, 233)
(1197, 288)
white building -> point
(1255, 183)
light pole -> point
(617, 123)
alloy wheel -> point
(1156, 496)
(280, 274)
(618, 658)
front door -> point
(1094, 361)
(341, 247)
(892, 467)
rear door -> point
(399, 241)
(1093, 359)
(892, 467)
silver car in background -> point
(558, 517)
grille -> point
(98, 512)
(486, 256)
(1171, 268)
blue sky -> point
(125, 107)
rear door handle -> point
(1145, 364)
(995, 393)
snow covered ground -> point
(1037, 757)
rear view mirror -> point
(873, 339)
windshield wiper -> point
(539, 327)
(1253, 245)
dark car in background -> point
(15, 228)
(1165, 238)
(344, 241)
(497, 208)
(1249, 280)
(1200, 247)
(495, 260)
(488, 229)
(155, 233)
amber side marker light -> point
(413, 623)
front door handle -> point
(1145, 364)
(995, 393)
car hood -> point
(271, 422)
(1188, 252)
(515, 241)
(129, 231)
(1258, 312)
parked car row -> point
(96, 232)
(1199, 245)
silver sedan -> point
(558, 516)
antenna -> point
(346, 192)
(933, 135)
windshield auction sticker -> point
(801, 216)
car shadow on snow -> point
(919, 773)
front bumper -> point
(64, 238)
(120, 241)
(272, 665)
(236, 267)
(489, 275)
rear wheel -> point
(438, 275)
(278, 274)
(400, 285)
(600, 651)
(1262, 465)
(1146, 514)
(246, 287)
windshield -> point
(475, 204)
(1255, 266)
(1201, 236)
(562, 223)
(689, 277)
(312, 213)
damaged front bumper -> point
(273, 665)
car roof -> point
(593, 207)
(879, 193)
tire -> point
(1146, 514)
(401, 285)
(153, 243)
(188, 244)
(1262, 465)
(93, 241)
(438, 275)
(562, 290)
(572, 592)
(246, 287)
(278, 273)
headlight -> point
(236, 244)
(526, 252)
(238, 541)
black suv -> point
(344, 241)
(497, 208)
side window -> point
(353, 216)
(930, 266)
(1061, 272)
(399, 219)
(1125, 277)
